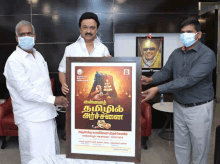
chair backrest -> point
(7, 105)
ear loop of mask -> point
(195, 35)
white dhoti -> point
(192, 132)
(37, 139)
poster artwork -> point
(103, 97)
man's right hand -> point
(108, 56)
(65, 88)
(146, 80)
(61, 100)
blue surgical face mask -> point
(188, 39)
(26, 42)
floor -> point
(159, 151)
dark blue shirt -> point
(192, 74)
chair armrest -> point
(5, 107)
(146, 113)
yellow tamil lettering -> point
(107, 116)
(110, 109)
(86, 109)
(118, 117)
(86, 115)
(119, 109)
(98, 108)
(97, 115)
(92, 116)
(111, 117)
(86, 102)
(102, 116)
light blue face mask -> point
(188, 39)
(26, 42)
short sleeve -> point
(62, 66)
(106, 51)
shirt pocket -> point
(45, 69)
(33, 71)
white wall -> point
(125, 44)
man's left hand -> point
(61, 100)
(146, 80)
(150, 93)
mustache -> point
(88, 34)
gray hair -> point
(23, 23)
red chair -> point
(7, 126)
(146, 122)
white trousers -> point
(192, 132)
(37, 139)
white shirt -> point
(28, 82)
(148, 62)
(78, 49)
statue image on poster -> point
(103, 98)
(103, 88)
(150, 49)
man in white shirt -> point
(87, 45)
(28, 82)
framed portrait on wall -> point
(103, 116)
(150, 49)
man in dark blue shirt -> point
(191, 68)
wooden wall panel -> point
(156, 6)
(149, 23)
(56, 23)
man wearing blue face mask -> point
(191, 68)
(28, 82)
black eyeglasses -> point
(150, 49)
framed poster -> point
(150, 49)
(104, 115)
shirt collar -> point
(96, 39)
(24, 53)
(81, 40)
(197, 46)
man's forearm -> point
(62, 78)
(161, 76)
